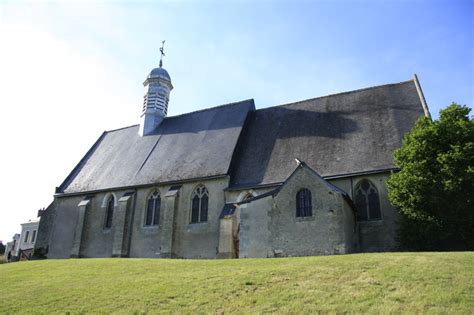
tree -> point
(2, 248)
(434, 188)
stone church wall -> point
(330, 229)
(44, 231)
(269, 226)
(62, 227)
(377, 235)
(199, 240)
(146, 240)
(255, 229)
(189, 240)
(96, 240)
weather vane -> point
(162, 50)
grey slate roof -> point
(228, 209)
(195, 145)
(338, 134)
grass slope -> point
(389, 282)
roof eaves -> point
(326, 177)
(273, 193)
(250, 186)
(134, 187)
(361, 173)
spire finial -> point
(162, 51)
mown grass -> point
(376, 283)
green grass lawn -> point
(388, 282)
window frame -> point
(200, 192)
(108, 222)
(304, 203)
(153, 196)
(366, 194)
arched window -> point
(199, 204)
(367, 201)
(153, 209)
(109, 212)
(303, 203)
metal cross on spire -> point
(162, 51)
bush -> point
(433, 189)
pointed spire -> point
(162, 51)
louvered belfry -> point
(155, 101)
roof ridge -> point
(210, 108)
(340, 93)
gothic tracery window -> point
(367, 201)
(303, 203)
(199, 204)
(109, 212)
(153, 209)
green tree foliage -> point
(435, 185)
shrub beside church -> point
(434, 187)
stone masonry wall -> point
(325, 232)
(254, 229)
(190, 240)
(377, 235)
(197, 240)
(269, 226)
(62, 229)
(44, 231)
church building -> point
(234, 181)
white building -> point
(26, 243)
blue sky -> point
(70, 71)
